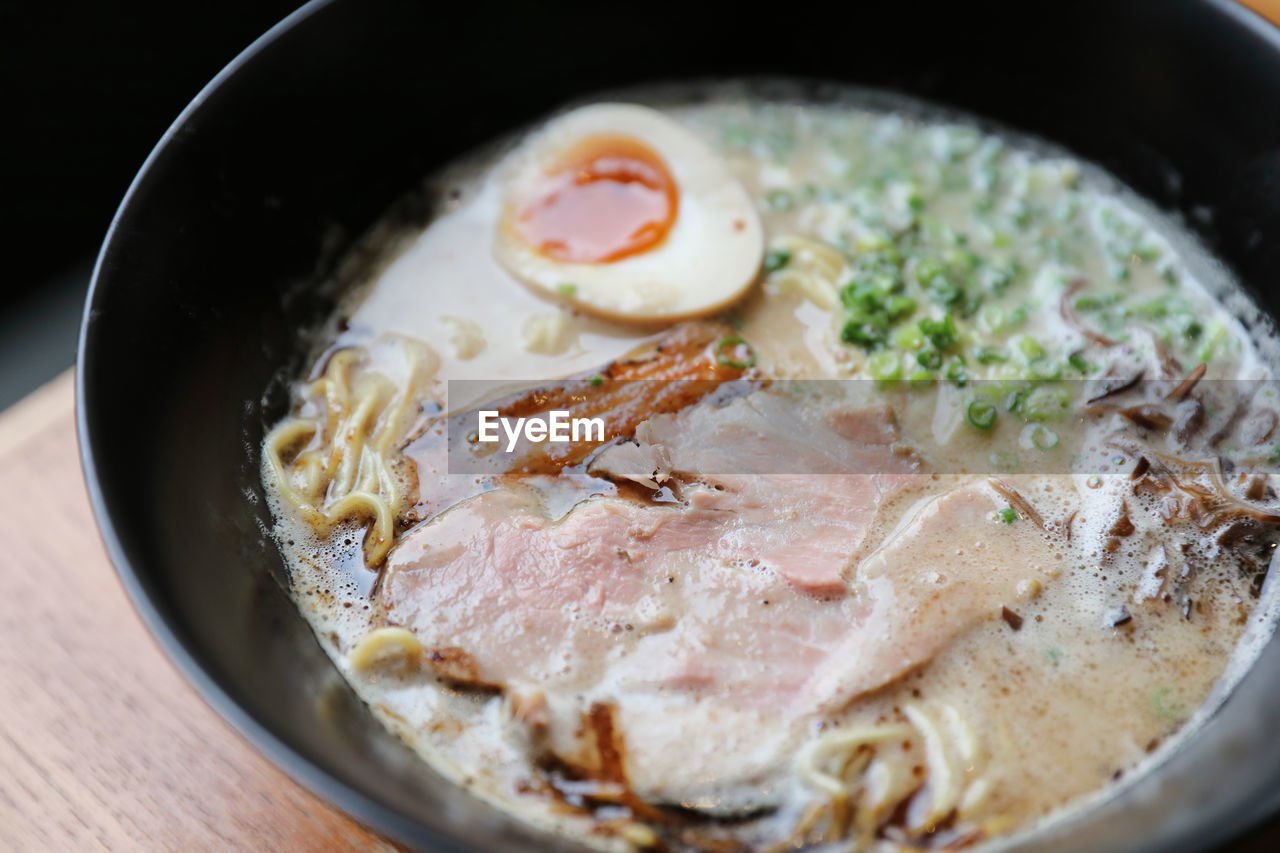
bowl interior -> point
(218, 256)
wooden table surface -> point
(102, 743)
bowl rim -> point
(365, 810)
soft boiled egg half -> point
(622, 212)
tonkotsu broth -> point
(1122, 600)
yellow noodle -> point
(849, 763)
(342, 473)
(382, 643)
(815, 270)
(818, 752)
(943, 785)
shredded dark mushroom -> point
(1208, 503)
(1257, 488)
(1124, 525)
(1241, 406)
(1189, 420)
(1170, 365)
(1147, 417)
(1119, 617)
(1186, 385)
(1018, 501)
(1259, 428)
(1115, 390)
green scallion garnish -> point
(776, 259)
(739, 353)
(981, 414)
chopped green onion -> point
(1028, 347)
(921, 378)
(776, 259)
(740, 356)
(908, 337)
(929, 359)
(997, 279)
(1044, 369)
(864, 334)
(779, 200)
(1043, 437)
(964, 259)
(991, 318)
(971, 304)
(941, 333)
(873, 302)
(1096, 301)
(1152, 309)
(596, 379)
(1217, 335)
(990, 355)
(899, 307)
(956, 371)
(874, 241)
(567, 289)
(945, 292)
(1046, 403)
(1008, 515)
(927, 269)
(1164, 707)
(1077, 361)
(885, 366)
(981, 414)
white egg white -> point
(709, 258)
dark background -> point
(86, 90)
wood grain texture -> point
(102, 744)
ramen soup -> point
(917, 482)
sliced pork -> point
(719, 625)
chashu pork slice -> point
(797, 482)
(696, 621)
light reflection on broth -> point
(926, 609)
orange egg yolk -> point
(607, 198)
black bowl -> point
(213, 265)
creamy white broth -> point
(1099, 673)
